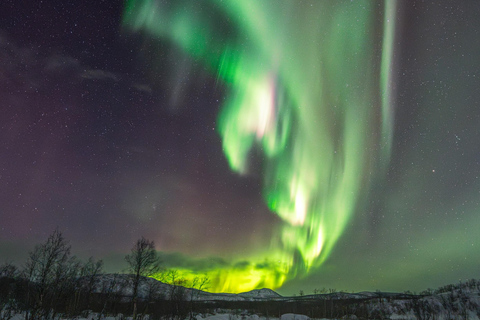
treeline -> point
(53, 282)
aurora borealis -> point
(284, 109)
(282, 144)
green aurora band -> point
(309, 91)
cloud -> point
(199, 265)
(30, 67)
(99, 75)
(59, 63)
(242, 265)
(142, 87)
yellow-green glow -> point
(234, 280)
(304, 90)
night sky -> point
(285, 144)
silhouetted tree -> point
(197, 286)
(112, 291)
(8, 278)
(177, 294)
(87, 283)
(153, 294)
(8, 270)
(51, 272)
(143, 261)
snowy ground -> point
(229, 316)
(219, 316)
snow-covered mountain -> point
(461, 301)
(261, 294)
(122, 284)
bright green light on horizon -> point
(304, 90)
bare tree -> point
(50, 271)
(143, 261)
(198, 285)
(177, 293)
(88, 281)
(153, 294)
(8, 304)
(8, 270)
(112, 292)
(66, 284)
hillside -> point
(111, 294)
(120, 284)
(459, 301)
